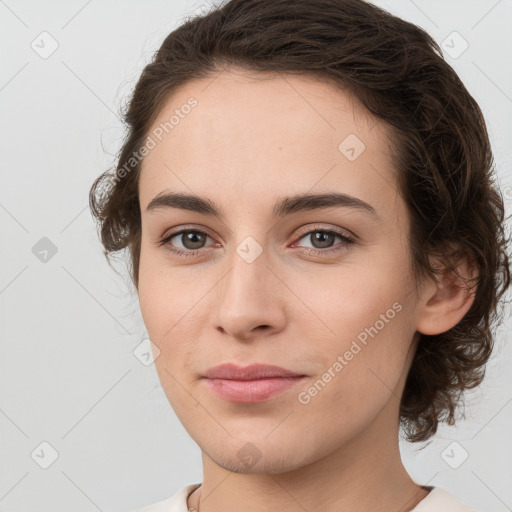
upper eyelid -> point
(302, 233)
(302, 230)
(337, 230)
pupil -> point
(194, 239)
(323, 238)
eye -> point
(322, 240)
(192, 241)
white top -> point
(437, 500)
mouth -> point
(251, 391)
(250, 384)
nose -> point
(250, 299)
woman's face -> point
(322, 288)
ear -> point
(446, 298)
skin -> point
(252, 139)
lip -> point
(250, 384)
(254, 371)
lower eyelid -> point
(345, 242)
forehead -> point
(249, 136)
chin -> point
(262, 463)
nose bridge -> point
(248, 296)
(248, 279)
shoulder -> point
(176, 503)
(441, 500)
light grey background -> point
(69, 325)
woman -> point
(306, 193)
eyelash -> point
(346, 242)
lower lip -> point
(250, 391)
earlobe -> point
(446, 299)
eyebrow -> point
(285, 206)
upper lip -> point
(254, 371)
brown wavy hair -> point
(441, 148)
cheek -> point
(151, 301)
(164, 297)
(169, 321)
(169, 307)
(363, 316)
(348, 299)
